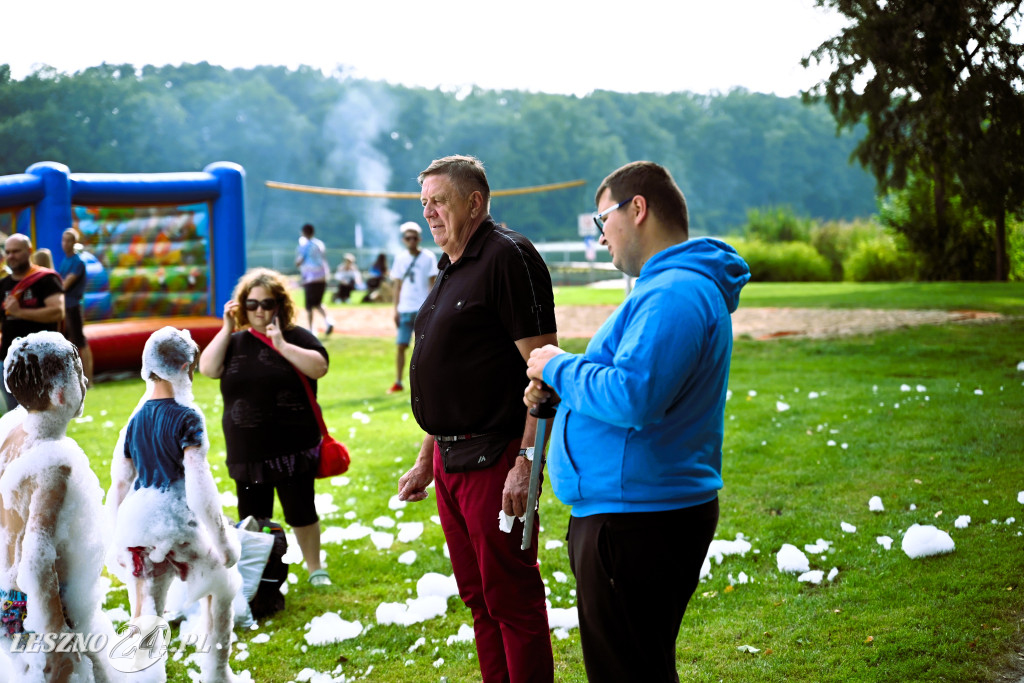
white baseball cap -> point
(410, 227)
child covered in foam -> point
(50, 514)
(165, 504)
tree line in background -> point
(729, 152)
(927, 96)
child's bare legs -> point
(218, 616)
(309, 543)
(148, 594)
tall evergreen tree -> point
(939, 85)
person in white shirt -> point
(311, 258)
(412, 274)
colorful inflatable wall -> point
(160, 248)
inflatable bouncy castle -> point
(160, 248)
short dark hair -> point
(465, 172)
(652, 181)
(307, 229)
(36, 364)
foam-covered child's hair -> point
(38, 365)
(168, 355)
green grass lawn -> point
(954, 448)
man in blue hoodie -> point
(636, 447)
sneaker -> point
(320, 578)
(330, 328)
(395, 388)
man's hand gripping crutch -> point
(543, 412)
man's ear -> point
(639, 204)
(57, 397)
(476, 202)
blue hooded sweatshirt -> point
(639, 427)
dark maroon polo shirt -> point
(466, 374)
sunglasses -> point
(265, 304)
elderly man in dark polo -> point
(491, 306)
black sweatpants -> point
(635, 573)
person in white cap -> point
(412, 274)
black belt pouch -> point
(477, 453)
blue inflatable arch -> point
(209, 206)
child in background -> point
(43, 257)
(165, 504)
(51, 550)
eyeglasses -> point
(265, 304)
(599, 217)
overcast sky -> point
(556, 46)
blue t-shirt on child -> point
(156, 439)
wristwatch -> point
(527, 453)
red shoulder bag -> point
(334, 456)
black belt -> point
(460, 437)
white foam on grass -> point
(331, 628)
(818, 547)
(792, 560)
(412, 611)
(813, 576)
(927, 540)
(409, 531)
(465, 635)
(567, 617)
(382, 540)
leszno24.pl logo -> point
(139, 643)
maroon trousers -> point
(499, 582)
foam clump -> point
(922, 541)
(719, 549)
(331, 628)
(818, 547)
(413, 611)
(563, 617)
(433, 583)
(792, 560)
(814, 576)
(465, 635)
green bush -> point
(962, 248)
(1015, 249)
(776, 224)
(783, 261)
(880, 259)
(836, 240)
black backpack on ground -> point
(268, 598)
